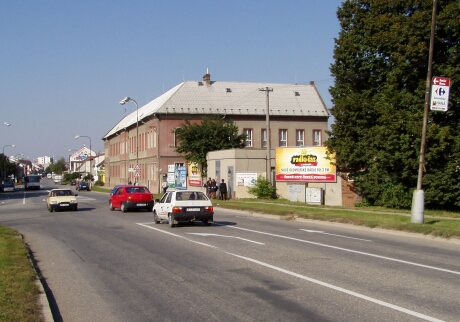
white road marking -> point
(204, 234)
(324, 233)
(347, 250)
(312, 280)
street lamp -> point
(12, 145)
(122, 102)
(90, 168)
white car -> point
(183, 206)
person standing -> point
(164, 185)
(223, 190)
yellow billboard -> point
(305, 164)
(194, 175)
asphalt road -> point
(103, 265)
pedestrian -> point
(223, 190)
(164, 185)
(212, 194)
(208, 187)
(130, 183)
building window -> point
(300, 137)
(264, 138)
(317, 138)
(248, 133)
(283, 137)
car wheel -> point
(75, 208)
(171, 221)
(50, 209)
(156, 220)
(206, 222)
(111, 206)
(123, 207)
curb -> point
(42, 297)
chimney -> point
(207, 77)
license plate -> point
(193, 209)
(64, 204)
(141, 204)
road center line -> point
(312, 280)
(347, 250)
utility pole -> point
(267, 91)
(418, 199)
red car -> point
(131, 198)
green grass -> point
(18, 292)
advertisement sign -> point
(246, 179)
(180, 176)
(440, 93)
(194, 175)
(304, 165)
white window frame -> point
(249, 137)
(317, 138)
(264, 140)
(283, 134)
(300, 137)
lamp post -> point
(90, 168)
(12, 145)
(122, 102)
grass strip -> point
(18, 292)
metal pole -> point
(267, 91)
(418, 199)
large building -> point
(145, 139)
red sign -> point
(441, 81)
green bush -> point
(99, 183)
(263, 189)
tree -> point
(59, 166)
(380, 70)
(212, 134)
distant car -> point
(131, 198)
(73, 183)
(8, 186)
(61, 199)
(183, 206)
(115, 188)
(83, 185)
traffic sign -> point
(440, 93)
(137, 174)
(137, 167)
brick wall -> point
(349, 196)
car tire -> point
(171, 221)
(156, 220)
(75, 208)
(111, 206)
(123, 207)
(206, 222)
(50, 209)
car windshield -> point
(136, 190)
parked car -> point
(131, 198)
(7, 186)
(115, 188)
(61, 199)
(83, 185)
(183, 206)
(73, 182)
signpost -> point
(440, 93)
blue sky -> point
(67, 64)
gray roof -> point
(231, 98)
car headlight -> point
(53, 202)
(73, 201)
